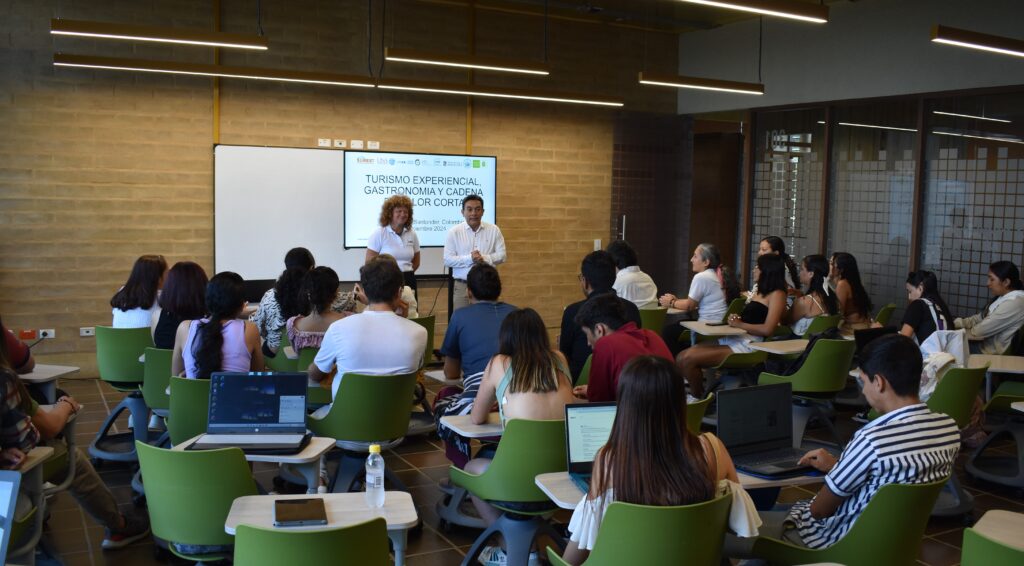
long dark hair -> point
(225, 297)
(710, 254)
(817, 265)
(929, 285)
(778, 246)
(772, 276)
(1007, 270)
(319, 289)
(297, 262)
(139, 292)
(184, 291)
(651, 458)
(846, 264)
(524, 340)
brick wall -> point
(99, 167)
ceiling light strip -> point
(465, 61)
(103, 30)
(802, 11)
(475, 90)
(972, 117)
(855, 125)
(206, 70)
(1007, 140)
(699, 83)
(976, 40)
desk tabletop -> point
(343, 509)
(704, 329)
(438, 376)
(781, 347)
(997, 364)
(43, 373)
(36, 456)
(463, 425)
(318, 446)
(1004, 527)
(1017, 406)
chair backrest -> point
(281, 362)
(306, 357)
(355, 545)
(526, 450)
(1009, 392)
(955, 393)
(189, 493)
(118, 351)
(368, 408)
(584, 377)
(695, 413)
(428, 323)
(189, 408)
(157, 372)
(884, 314)
(822, 323)
(980, 550)
(826, 368)
(735, 307)
(641, 534)
(653, 319)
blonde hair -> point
(389, 206)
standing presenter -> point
(397, 238)
(471, 242)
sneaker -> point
(135, 528)
(496, 556)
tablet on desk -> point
(299, 512)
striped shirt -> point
(907, 446)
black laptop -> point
(756, 426)
(259, 412)
(587, 428)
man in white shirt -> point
(471, 242)
(630, 283)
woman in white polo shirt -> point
(397, 238)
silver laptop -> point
(587, 428)
(10, 480)
(258, 411)
(756, 426)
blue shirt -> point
(472, 334)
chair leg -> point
(953, 500)
(801, 414)
(349, 469)
(450, 513)
(1000, 470)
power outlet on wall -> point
(47, 333)
(323, 142)
(87, 331)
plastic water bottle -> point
(375, 478)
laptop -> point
(10, 481)
(257, 412)
(756, 426)
(587, 428)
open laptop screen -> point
(587, 428)
(257, 402)
(755, 419)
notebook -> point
(257, 412)
(587, 428)
(10, 481)
(756, 426)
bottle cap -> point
(375, 449)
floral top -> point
(269, 322)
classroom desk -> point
(1004, 527)
(438, 376)
(343, 509)
(45, 377)
(704, 329)
(564, 493)
(32, 486)
(996, 364)
(782, 347)
(306, 462)
(462, 425)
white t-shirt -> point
(374, 343)
(636, 287)
(134, 318)
(706, 290)
(403, 247)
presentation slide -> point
(435, 183)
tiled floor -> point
(420, 463)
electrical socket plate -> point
(87, 331)
(340, 143)
(47, 333)
(597, 244)
(373, 145)
(356, 144)
(323, 142)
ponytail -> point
(224, 299)
(791, 268)
(818, 266)
(726, 280)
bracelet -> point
(74, 411)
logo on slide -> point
(364, 160)
(465, 163)
(391, 161)
(476, 164)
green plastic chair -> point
(281, 362)
(954, 396)
(739, 363)
(889, 531)
(981, 550)
(368, 409)
(527, 448)
(642, 534)
(189, 494)
(884, 314)
(584, 377)
(428, 323)
(117, 358)
(157, 372)
(362, 544)
(822, 375)
(653, 319)
(822, 323)
(695, 413)
(1016, 343)
(735, 307)
(999, 467)
(190, 408)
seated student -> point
(469, 344)
(650, 458)
(406, 306)
(23, 426)
(615, 342)
(926, 312)
(630, 283)
(220, 342)
(907, 444)
(526, 379)
(760, 318)
(711, 290)
(991, 331)
(597, 275)
(317, 292)
(817, 299)
(282, 301)
(183, 298)
(133, 304)
(774, 245)
(376, 341)
(854, 302)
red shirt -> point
(611, 353)
(17, 351)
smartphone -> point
(716, 323)
(299, 512)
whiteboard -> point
(268, 200)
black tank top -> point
(754, 313)
(166, 328)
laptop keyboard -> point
(790, 457)
(581, 481)
(250, 439)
